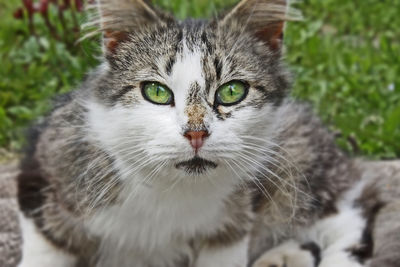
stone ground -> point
(9, 229)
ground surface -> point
(9, 229)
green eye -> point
(157, 93)
(231, 93)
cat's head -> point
(188, 98)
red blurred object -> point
(79, 5)
(19, 13)
(29, 7)
(43, 7)
(67, 3)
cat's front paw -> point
(289, 254)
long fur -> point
(112, 180)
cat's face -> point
(188, 98)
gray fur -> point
(59, 188)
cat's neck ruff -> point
(151, 217)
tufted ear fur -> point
(118, 18)
(264, 18)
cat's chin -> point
(196, 165)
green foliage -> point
(34, 68)
(195, 8)
(345, 56)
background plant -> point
(345, 56)
(39, 57)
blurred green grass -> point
(345, 56)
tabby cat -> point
(183, 149)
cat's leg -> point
(292, 254)
(37, 251)
(340, 234)
(233, 255)
(289, 254)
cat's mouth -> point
(196, 165)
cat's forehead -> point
(180, 38)
(198, 35)
(193, 58)
(179, 55)
(202, 51)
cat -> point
(184, 148)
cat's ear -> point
(263, 18)
(118, 18)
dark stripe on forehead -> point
(272, 96)
(178, 48)
(209, 73)
(194, 95)
(218, 67)
(179, 42)
(206, 42)
(170, 64)
(121, 93)
(198, 37)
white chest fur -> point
(159, 220)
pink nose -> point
(196, 138)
